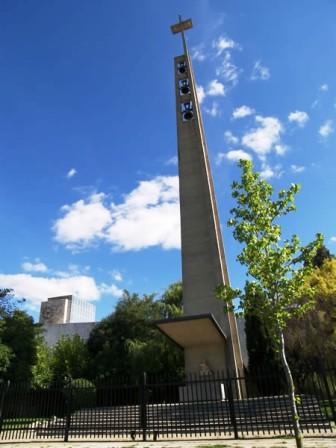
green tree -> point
(6, 302)
(5, 351)
(19, 335)
(172, 301)
(276, 267)
(322, 254)
(5, 309)
(128, 343)
(262, 353)
(5, 356)
(70, 359)
(318, 325)
(42, 369)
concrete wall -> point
(56, 310)
(242, 339)
(53, 332)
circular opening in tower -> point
(182, 69)
(188, 115)
(185, 90)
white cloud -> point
(223, 43)
(37, 289)
(172, 161)
(76, 269)
(297, 168)
(280, 149)
(200, 93)
(73, 270)
(117, 275)
(213, 111)
(71, 173)
(230, 138)
(324, 87)
(299, 117)
(228, 70)
(267, 172)
(148, 216)
(242, 111)
(260, 72)
(197, 53)
(82, 222)
(263, 139)
(232, 156)
(38, 266)
(333, 239)
(216, 88)
(326, 129)
(111, 290)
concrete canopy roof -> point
(189, 331)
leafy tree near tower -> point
(277, 268)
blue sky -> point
(89, 193)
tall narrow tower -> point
(207, 333)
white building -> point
(66, 315)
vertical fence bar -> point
(143, 406)
(68, 404)
(4, 389)
(231, 406)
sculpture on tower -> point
(207, 333)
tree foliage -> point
(42, 369)
(262, 352)
(172, 301)
(322, 254)
(8, 303)
(19, 334)
(5, 309)
(316, 327)
(319, 325)
(277, 267)
(69, 359)
(128, 343)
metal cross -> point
(180, 27)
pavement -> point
(309, 442)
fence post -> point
(68, 405)
(2, 401)
(231, 406)
(143, 406)
(330, 398)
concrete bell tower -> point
(207, 333)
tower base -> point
(203, 342)
(204, 345)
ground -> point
(327, 442)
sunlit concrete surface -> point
(311, 442)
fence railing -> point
(216, 405)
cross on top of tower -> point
(180, 27)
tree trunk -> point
(290, 382)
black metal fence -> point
(212, 406)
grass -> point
(18, 423)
